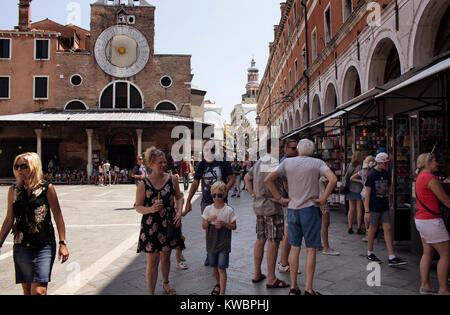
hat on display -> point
(382, 158)
(382, 150)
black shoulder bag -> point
(444, 212)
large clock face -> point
(122, 51)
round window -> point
(166, 81)
(76, 80)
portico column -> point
(89, 163)
(139, 141)
(38, 133)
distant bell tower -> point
(252, 86)
(24, 16)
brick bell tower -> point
(24, 16)
(252, 86)
(138, 14)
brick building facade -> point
(358, 75)
(342, 51)
(105, 86)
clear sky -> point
(221, 35)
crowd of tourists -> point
(290, 202)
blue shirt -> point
(379, 182)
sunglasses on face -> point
(21, 166)
(292, 148)
(217, 196)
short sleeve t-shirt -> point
(138, 170)
(426, 196)
(209, 174)
(261, 204)
(303, 174)
(379, 182)
(219, 241)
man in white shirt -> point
(303, 174)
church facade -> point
(92, 95)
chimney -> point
(282, 8)
(275, 31)
(24, 15)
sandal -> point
(295, 292)
(279, 284)
(214, 291)
(261, 278)
(171, 291)
(313, 293)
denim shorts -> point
(304, 223)
(219, 260)
(354, 196)
(34, 264)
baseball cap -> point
(382, 158)
(382, 150)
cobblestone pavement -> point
(102, 231)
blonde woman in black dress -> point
(160, 225)
(31, 203)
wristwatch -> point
(62, 243)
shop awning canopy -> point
(96, 116)
(340, 110)
(439, 67)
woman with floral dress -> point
(28, 215)
(160, 225)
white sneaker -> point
(364, 239)
(285, 269)
(181, 266)
(330, 251)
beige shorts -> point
(433, 231)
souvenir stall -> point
(330, 146)
(417, 121)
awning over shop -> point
(341, 110)
(96, 116)
(439, 67)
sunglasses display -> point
(21, 166)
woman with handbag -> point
(354, 193)
(160, 225)
(430, 224)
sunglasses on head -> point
(21, 166)
(217, 196)
(157, 152)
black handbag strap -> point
(426, 208)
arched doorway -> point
(330, 99)
(121, 151)
(385, 63)
(298, 121)
(432, 36)
(315, 110)
(352, 85)
(305, 114)
(291, 122)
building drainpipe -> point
(303, 3)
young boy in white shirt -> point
(219, 220)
